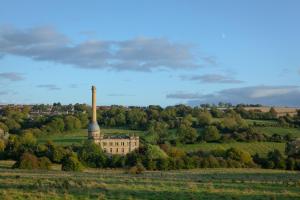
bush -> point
(137, 169)
(30, 161)
(154, 152)
(211, 134)
(27, 161)
(90, 154)
(55, 153)
(71, 163)
(239, 155)
(2, 145)
(44, 163)
(162, 164)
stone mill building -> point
(118, 144)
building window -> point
(135, 144)
(104, 143)
(123, 150)
(117, 143)
(104, 150)
(110, 144)
(110, 150)
(117, 150)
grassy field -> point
(252, 147)
(243, 184)
(79, 136)
(262, 122)
(295, 132)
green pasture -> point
(262, 148)
(294, 132)
(262, 122)
(217, 184)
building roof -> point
(116, 137)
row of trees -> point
(28, 154)
(191, 125)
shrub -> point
(187, 134)
(27, 161)
(44, 163)
(2, 145)
(55, 153)
(154, 152)
(71, 163)
(163, 164)
(91, 155)
(211, 134)
(137, 169)
(30, 161)
(239, 155)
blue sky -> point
(150, 52)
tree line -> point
(30, 155)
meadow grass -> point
(294, 132)
(262, 148)
(244, 184)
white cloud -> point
(11, 76)
(49, 86)
(139, 54)
(211, 78)
(266, 95)
(183, 95)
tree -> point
(71, 163)
(163, 164)
(215, 112)
(55, 153)
(137, 169)
(204, 118)
(91, 155)
(3, 127)
(233, 122)
(2, 145)
(159, 129)
(72, 123)
(12, 125)
(81, 107)
(277, 158)
(28, 140)
(154, 152)
(44, 163)
(27, 161)
(137, 119)
(187, 134)
(57, 125)
(239, 155)
(211, 134)
(293, 148)
(83, 117)
(120, 119)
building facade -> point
(117, 144)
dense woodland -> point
(165, 129)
